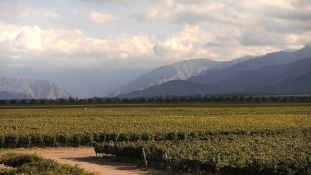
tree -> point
(108, 100)
(71, 100)
(142, 99)
(23, 101)
(242, 98)
(264, 98)
(175, 99)
(167, 100)
(134, 100)
(125, 100)
(214, 99)
(198, 99)
(183, 99)
(207, 99)
(190, 99)
(228, 99)
(274, 99)
(151, 100)
(222, 99)
(235, 98)
(257, 99)
(159, 100)
(284, 99)
(12, 101)
(90, 100)
(33, 101)
(250, 98)
(303, 99)
(117, 100)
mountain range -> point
(178, 71)
(261, 74)
(298, 84)
(26, 88)
(81, 83)
(278, 72)
(211, 76)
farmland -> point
(208, 137)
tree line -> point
(168, 98)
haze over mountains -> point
(256, 75)
(177, 71)
(278, 72)
(299, 84)
(276, 58)
(26, 88)
(81, 83)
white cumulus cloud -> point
(98, 17)
(29, 12)
(57, 45)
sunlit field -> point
(204, 137)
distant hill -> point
(268, 79)
(260, 77)
(174, 87)
(226, 64)
(213, 76)
(82, 83)
(26, 88)
(300, 84)
(13, 95)
(177, 71)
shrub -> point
(36, 165)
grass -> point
(36, 165)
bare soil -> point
(85, 158)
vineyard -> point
(227, 138)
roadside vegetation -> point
(17, 163)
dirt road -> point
(86, 159)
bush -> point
(36, 165)
(12, 101)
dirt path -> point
(86, 159)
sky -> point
(124, 34)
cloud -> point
(242, 14)
(168, 31)
(213, 44)
(101, 17)
(104, 1)
(24, 11)
(152, 13)
(255, 24)
(57, 46)
(189, 43)
(29, 12)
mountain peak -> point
(177, 71)
(33, 88)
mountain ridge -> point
(174, 87)
(275, 58)
(238, 83)
(33, 88)
(177, 71)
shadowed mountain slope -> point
(177, 71)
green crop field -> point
(236, 138)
